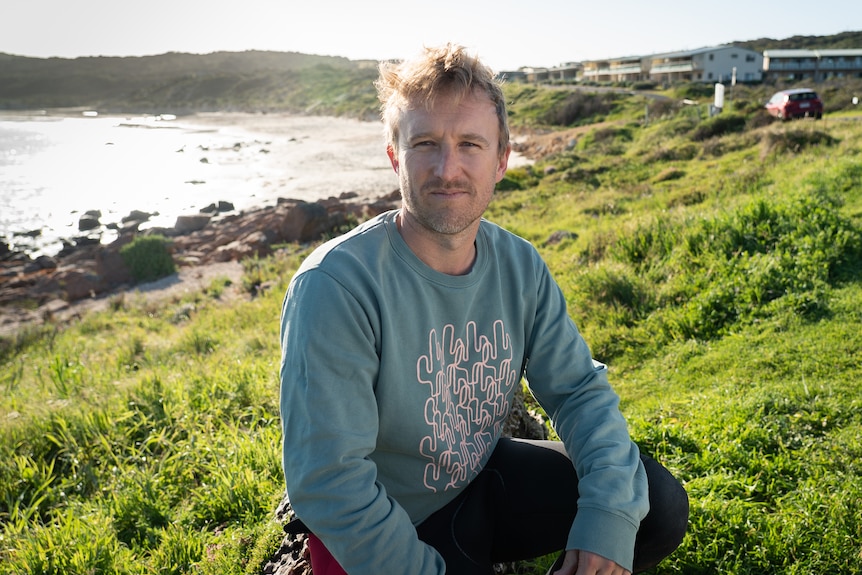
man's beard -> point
(444, 221)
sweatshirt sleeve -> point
(330, 423)
(575, 393)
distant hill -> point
(177, 83)
(844, 40)
(242, 81)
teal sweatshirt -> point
(396, 381)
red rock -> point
(84, 271)
(77, 284)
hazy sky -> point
(508, 34)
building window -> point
(734, 56)
(712, 57)
(749, 58)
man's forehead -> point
(448, 98)
(471, 109)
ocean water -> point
(53, 169)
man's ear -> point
(503, 163)
(393, 157)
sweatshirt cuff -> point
(605, 534)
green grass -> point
(715, 265)
(141, 440)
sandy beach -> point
(312, 157)
(304, 157)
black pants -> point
(521, 506)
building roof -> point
(811, 53)
(705, 50)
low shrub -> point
(669, 174)
(759, 119)
(718, 126)
(793, 140)
(610, 141)
(517, 179)
(148, 258)
(766, 257)
(694, 90)
(578, 107)
(674, 152)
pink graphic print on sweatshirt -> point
(470, 381)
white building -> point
(718, 64)
(627, 69)
(814, 65)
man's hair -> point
(448, 70)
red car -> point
(798, 103)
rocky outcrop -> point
(32, 289)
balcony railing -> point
(847, 65)
(626, 70)
(671, 68)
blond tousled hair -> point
(447, 69)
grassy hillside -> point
(843, 40)
(714, 263)
(180, 83)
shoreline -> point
(255, 159)
(313, 174)
(250, 160)
(336, 166)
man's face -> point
(448, 162)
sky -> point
(506, 34)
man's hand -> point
(579, 562)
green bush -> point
(517, 179)
(579, 107)
(148, 258)
(751, 263)
(718, 126)
(694, 90)
(794, 140)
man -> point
(403, 343)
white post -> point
(719, 100)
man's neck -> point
(452, 254)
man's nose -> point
(448, 164)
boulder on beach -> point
(219, 208)
(191, 223)
(89, 220)
(137, 216)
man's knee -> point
(664, 527)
